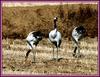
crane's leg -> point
(34, 54)
(27, 54)
(53, 53)
(76, 46)
(30, 49)
(57, 54)
(74, 53)
(78, 54)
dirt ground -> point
(14, 56)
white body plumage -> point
(31, 39)
(75, 34)
(55, 36)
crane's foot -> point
(77, 55)
(74, 54)
(53, 58)
(57, 59)
(34, 62)
(25, 59)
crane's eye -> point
(80, 31)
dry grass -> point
(13, 58)
(19, 21)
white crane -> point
(33, 39)
(55, 38)
(77, 35)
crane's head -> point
(38, 35)
(55, 18)
(81, 30)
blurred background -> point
(21, 18)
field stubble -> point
(13, 58)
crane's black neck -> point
(55, 25)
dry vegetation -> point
(19, 21)
(13, 58)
